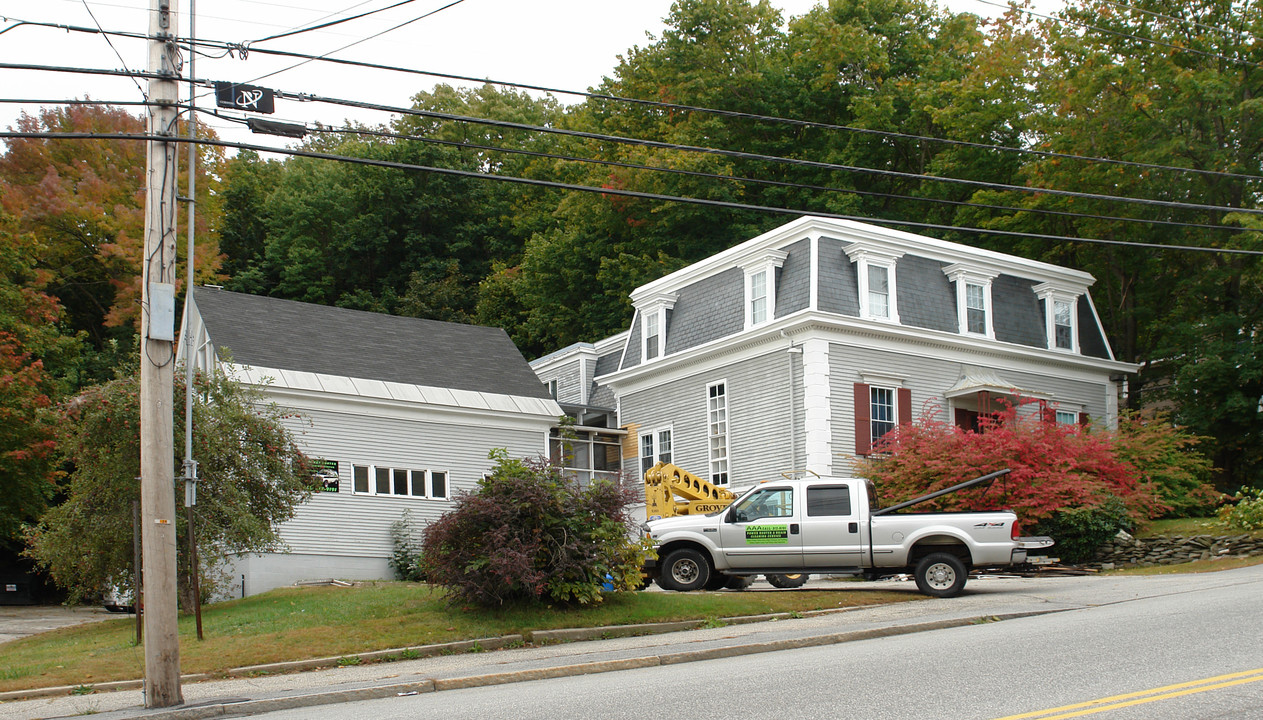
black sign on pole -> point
(245, 97)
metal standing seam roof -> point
(290, 335)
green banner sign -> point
(767, 534)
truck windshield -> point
(764, 502)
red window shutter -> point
(1084, 419)
(863, 428)
(905, 406)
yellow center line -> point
(1143, 696)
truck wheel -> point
(684, 570)
(786, 582)
(941, 575)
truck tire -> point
(941, 575)
(684, 570)
(787, 582)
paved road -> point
(1188, 653)
(19, 621)
(1081, 598)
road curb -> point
(251, 707)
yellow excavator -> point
(671, 491)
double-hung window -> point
(717, 431)
(760, 285)
(653, 310)
(881, 411)
(1060, 301)
(973, 298)
(1063, 325)
(877, 280)
(655, 447)
(653, 336)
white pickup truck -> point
(825, 525)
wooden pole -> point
(157, 368)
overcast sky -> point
(567, 44)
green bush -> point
(1080, 532)
(531, 534)
(1246, 510)
(1169, 461)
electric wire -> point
(689, 148)
(229, 48)
(739, 154)
(357, 42)
(625, 193)
(110, 42)
(1129, 36)
(331, 23)
(1215, 28)
(760, 181)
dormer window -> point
(653, 334)
(653, 312)
(875, 271)
(1063, 325)
(1061, 322)
(973, 299)
(760, 295)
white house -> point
(795, 350)
(401, 412)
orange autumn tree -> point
(83, 200)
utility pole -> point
(157, 371)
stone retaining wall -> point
(1172, 550)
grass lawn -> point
(312, 622)
(1192, 526)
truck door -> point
(762, 530)
(830, 527)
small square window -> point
(383, 481)
(418, 483)
(359, 474)
(438, 484)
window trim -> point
(864, 258)
(655, 436)
(766, 264)
(409, 476)
(655, 307)
(862, 408)
(711, 436)
(1051, 295)
(963, 276)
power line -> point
(232, 48)
(764, 158)
(738, 114)
(331, 23)
(693, 148)
(759, 181)
(1129, 36)
(357, 42)
(621, 192)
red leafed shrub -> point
(1054, 467)
(528, 533)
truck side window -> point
(773, 502)
(826, 500)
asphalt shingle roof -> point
(288, 335)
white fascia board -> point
(352, 390)
(556, 360)
(306, 400)
(560, 357)
(876, 237)
(858, 332)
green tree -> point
(251, 477)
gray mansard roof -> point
(284, 334)
(707, 298)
